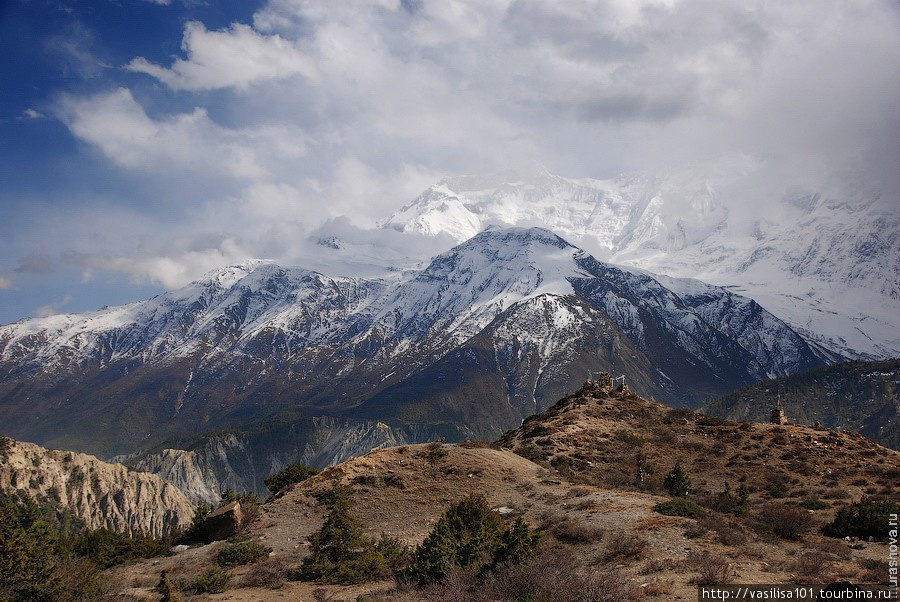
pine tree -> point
(677, 482)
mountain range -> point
(828, 264)
(483, 336)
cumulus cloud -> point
(320, 111)
(118, 125)
(5, 283)
(235, 57)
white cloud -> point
(191, 142)
(364, 104)
(33, 114)
(174, 268)
(235, 57)
(53, 308)
(5, 283)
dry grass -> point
(622, 544)
(812, 564)
(711, 569)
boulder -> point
(224, 522)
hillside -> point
(98, 493)
(582, 494)
(853, 396)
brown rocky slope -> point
(582, 492)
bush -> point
(630, 438)
(713, 569)
(777, 489)
(167, 588)
(865, 518)
(626, 545)
(106, 548)
(677, 482)
(679, 507)
(392, 479)
(812, 564)
(270, 573)
(470, 534)
(529, 452)
(213, 581)
(727, 502)
(249, 503)
(292, 473)
(245, 552)
(814, 505)
(568, 530)
(34, 563)
(196, 533)
(551, 575)
(340, 553)
(785, 521)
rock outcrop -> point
(101, 494)
(242, 461)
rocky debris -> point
(224, 522)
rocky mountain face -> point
(828, 266)
(855, 396)
(100, 494)
(242, 460)
(488, 333)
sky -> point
(146, 142)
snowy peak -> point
(829, 266)
(486, 334)
(462, 290)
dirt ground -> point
(397, 491)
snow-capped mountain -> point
(494, 330)
(830, 267)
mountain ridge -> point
(486, 334)
(811, 259)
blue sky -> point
(143, 143)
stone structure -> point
(778, 414)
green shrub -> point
(727, 502)
(630, 438)
(195, 533)
(244, 552)
(340, 553)
(5, 445)
(292, 473)
(814, 505)
(213, 581)
(777, 489)
(529, 452)
(677, 482)
(107, 548)
(865, 518)
(34, 555)
(167, 588)
(711, 421)
(468, 534)
(249, 503)
(679, 507)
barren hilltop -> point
(593, 476)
